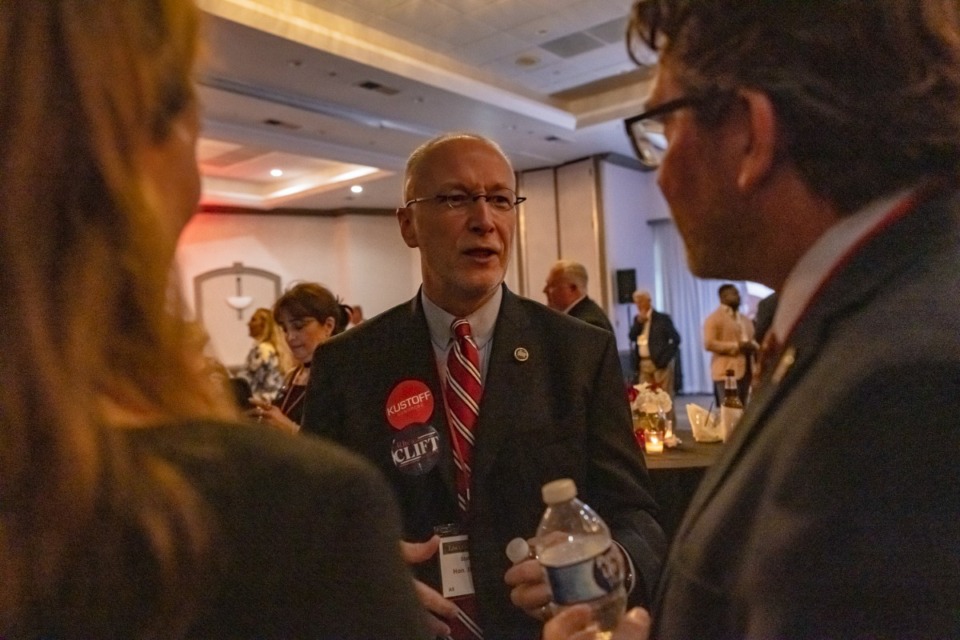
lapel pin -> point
(521, 354)
(786, 361)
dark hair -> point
(726, 286)
(866, 92)
(311, 300)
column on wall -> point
(594, 211)
(537, 241)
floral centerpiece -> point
(649, 405)
(649, 398)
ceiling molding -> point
(306, 24)
(297, 211)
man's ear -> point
(760, 154)
(407, 229)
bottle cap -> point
(518, 550)
(559, 491)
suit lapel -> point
(413, 338)
(504, 383)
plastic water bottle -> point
(582, 563)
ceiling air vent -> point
(572, 45)
(370, 85)
(273, 122)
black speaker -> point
(626, 285)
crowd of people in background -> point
(137, 500)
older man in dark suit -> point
(815, 147)
(654, 343)
(469, 398)
(566, 291)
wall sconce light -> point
(239, 301)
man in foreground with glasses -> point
(820, 140)
(470, 398)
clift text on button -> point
(412, 451)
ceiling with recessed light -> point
(337, 93)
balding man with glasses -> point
(469, 398)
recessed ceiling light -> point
(356, 189)
(276, 173)
(527, 61)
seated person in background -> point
(566, 291)
(309, 315)
(132, 503)
(265, 365)
(470, 398)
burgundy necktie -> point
(463, 401)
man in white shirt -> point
(728, 336)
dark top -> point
(553, 406)
(591, 313)
(304, 534)
(663, 340)
(832, 512)
(290, 397)
(764, 318)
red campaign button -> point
(410, 402)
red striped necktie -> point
(463, 393)
(463, 401)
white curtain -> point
(688, 300)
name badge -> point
(455, 577)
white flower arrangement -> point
(651, 399)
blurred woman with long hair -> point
(269, 358)
(131, 503)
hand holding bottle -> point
(582, 563)
(529, 589)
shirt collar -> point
(482, 321)
(815, 265)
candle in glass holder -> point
(653, 443)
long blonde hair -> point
(274, 337)
(89, 319)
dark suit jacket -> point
(663, 340)
(559, 412)
(834, 510)
(766, 309)
(304, 535)
(591, 313)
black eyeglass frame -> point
(651, 157)
(444, 198)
